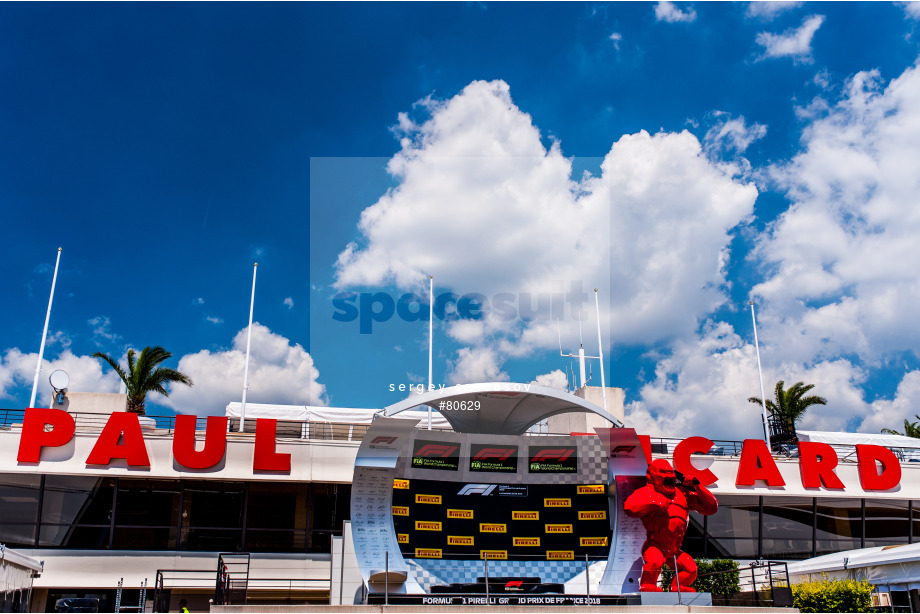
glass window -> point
(212, 516)
(277, 506)
(18, 508)
(147, 503)
(839, 524)
(734, 528)
(886, 522)
(787, 527)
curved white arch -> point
(505, 408)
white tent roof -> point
(311, 413)
(882, 566)
(851, 439)
(498, 407)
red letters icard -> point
(215, 442)
(682, 463)
(817, 462)
(133, 450)
(265, 458)
(35, 437)
(869, 476)
(756, 463)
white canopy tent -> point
(887, 567)
(334, 415)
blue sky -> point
(682, 158)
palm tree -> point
(144, 375)
(790, 405)
(911, 429)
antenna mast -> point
(600, 348)
(41, 349)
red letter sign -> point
(215, 442)
(34, 436)
(817, 461)
(757, 464)
(682, 463)
(869, 476)
(265, 458)
(133, 450)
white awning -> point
(851, 439)
(310, 413)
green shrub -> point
(833, 596)
(722, 584)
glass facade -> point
(89, 512)
(793, 528)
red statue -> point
(664, 508)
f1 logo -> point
(436, 450)
(514, 584)
(496, 453)
(477, 489)
(556, 454)
(623, 449)
(383, 439)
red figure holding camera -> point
(664, 506)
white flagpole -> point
(41, 349)
(763, 396)
(430, 339)
(600, 349)
(252, 301)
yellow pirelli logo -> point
(592, 489)
(525, 515)
(402, 538)
(404, 484)
(427, 553)
(585, 542)
(491, 527)
(427, 526)
(598, 515)
(558, 528)
(460, 514)
(459, 540)
(560, 555)
(400, 510)
(436, 499)
(493, 554)
(527, 542)
(557, 503)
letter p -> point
(369, 314)
(35, 437)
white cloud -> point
(17, 372)
(616, 37)
(289, 302)
(478, 364)
(668, 12)
(841, 261)
(768, 10)
(214, 320)
(791, 43)
(732, 134)
(102, 333)
(911, 9)
(476, 173)
(891, 413)
(554, 379)
(278, 373)
(198, 301)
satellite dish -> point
(59, 379)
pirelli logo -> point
(500, 555)
(400, 510)
(491, 527)
(598, 515)
(463, 514)
(402, 538)
(586, 542)
(591, 489)
(560, 555)
(404, 484)
(557, 503)
(527, 542)
(436, 499)
(557, 528)
(421, 525)
(525, 515)
(427, 553)
(459, 540)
